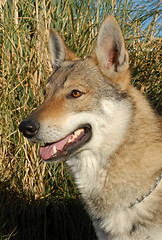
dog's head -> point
(85, 100)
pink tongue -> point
(47, 151)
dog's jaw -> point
(61, 150)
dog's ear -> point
(58, 50)
(110, 52)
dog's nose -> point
(29, 128)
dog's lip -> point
(70, 148)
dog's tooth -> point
(70, 140)
(78, 132)
(54, 149)
(75, 135)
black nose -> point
(29, 128)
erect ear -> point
(110, 52)
(58, 50)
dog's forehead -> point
(77, 72)
(59, 76)
(83, 73)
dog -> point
(105, 131)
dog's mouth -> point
(66, 147)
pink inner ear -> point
(110, 59)
(112, 56)
(111, 51)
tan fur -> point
(70, 55)
(122, 77)
(47, 110)
(53, 107)
(123, 158)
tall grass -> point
(25, 67)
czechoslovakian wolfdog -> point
(106, 132)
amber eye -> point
(76, 93)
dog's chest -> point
(88, 175)
(92, 181)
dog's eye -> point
(44, 92)
(76, 93)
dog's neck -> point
(140, 199)
(85, 165)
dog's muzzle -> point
(29, 128)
